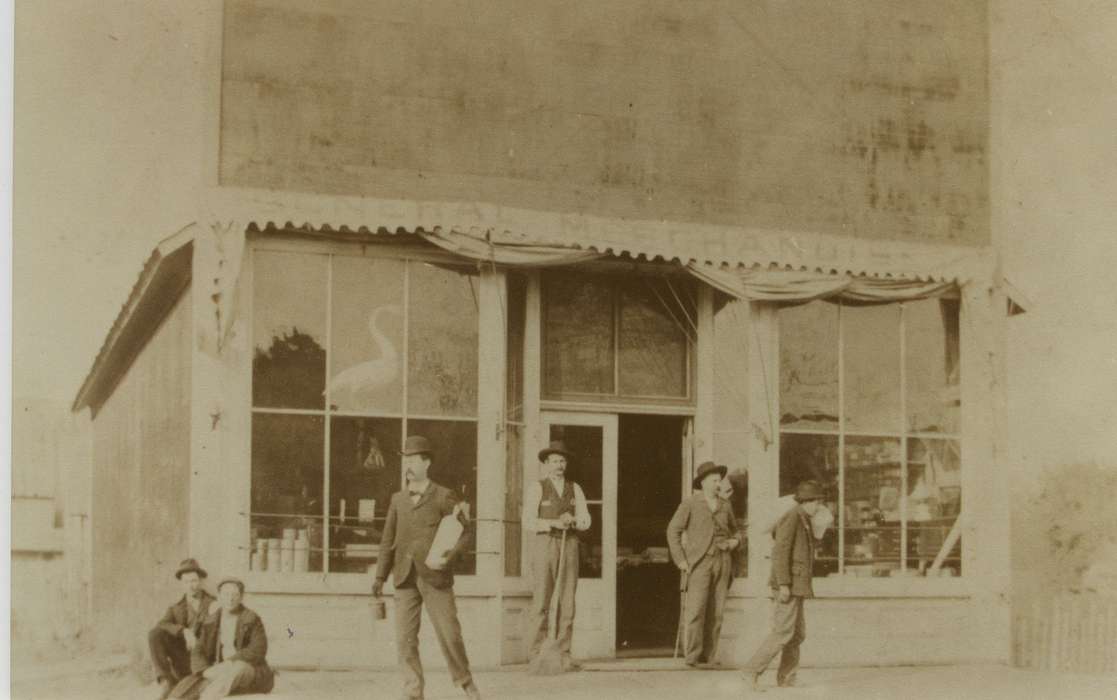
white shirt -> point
(227, 642)
(531, 520)
(416, 489)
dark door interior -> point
(648, 470)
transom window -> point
(870, 404)
(351, 354)
(609, 337)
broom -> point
(549, 660)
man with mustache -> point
(554, 505)
(172, 640)
(409, 531)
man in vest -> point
(705, 560)
(414, 514)
(554, 505)
(793, 550)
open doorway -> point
(649, 476)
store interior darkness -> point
(650, 451)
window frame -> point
(325, 580)
(598, 401)
(904, 436)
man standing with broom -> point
(554, 505)
(706, 562)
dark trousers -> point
(168, 655)
(789, 629)
(545, 566)
(411, 596)
(707, 589)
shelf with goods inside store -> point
(294, 543)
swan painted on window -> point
(378, 372)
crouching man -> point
(232, 647)
(172, 640)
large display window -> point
(870, 408)
(351, 354)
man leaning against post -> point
(173, 638)
(790, 580)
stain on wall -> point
(866, 119)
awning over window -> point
(799, 287)
(507, 253)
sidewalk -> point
(624, 683)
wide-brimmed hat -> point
(809, 490)
(707, 468)
(189, 565)
(416, 445)
(558, 447)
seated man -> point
(172, 639)
(232, 647)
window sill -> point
(855, 587)
(259, 582)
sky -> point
(101, 176)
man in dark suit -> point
(174, 636)
(705, 560)
(231, 653)
(413, 518)
(790, 580)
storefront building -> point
(306, 325)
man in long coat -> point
(413, 518)
(705, 560)
(792, 566)
(232, 649)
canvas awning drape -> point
(507, 253)
(792, 287)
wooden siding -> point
(141, 468)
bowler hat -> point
(235, 581)
(707, 468)
(808, 490)
(416, 445)
(557, 447)
(189, 565)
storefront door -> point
(592, 440)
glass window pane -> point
(442, 342)
(367, 335)
(586, 443)
(289, 330)
(577, 335)
(934, 502)
(872, 506)
(513, 499)
(872, 368)
(364, 473)
(454, 465)
(653, 337)
(809, 366)
(287, 492)
(931, 349)
(815, 457)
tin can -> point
(379, 609)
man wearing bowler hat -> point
(705, 560)
(174, 636)
(790, 580)
(414, 514)
(554, 506)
